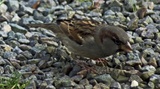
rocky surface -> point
(38, 55)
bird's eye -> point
(117, 42)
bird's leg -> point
(85, 67)
(101, 62)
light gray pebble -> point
(8, 69)
(84, 82)
(88, 87)
(1, 70)
(50, 87)
(2, 61)
(13, 5)
(11, 35)
(109, 12)
(26, 9)
(18, 28)
(25, 47)
(33, 61)
(115, 85)
(27, 54)
(6, 27)
(3, 8)
(77, 78)
(43, 85)
(38, 16)
(134, 83)
(17, 50)
(38, 48)
(24, 41)
(3, 34)
(15, 18)
(101, 86)
(9, 55)
(157, 7)
(105, 78)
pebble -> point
(134, 83)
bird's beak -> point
(127, 47)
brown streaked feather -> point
(78, 30)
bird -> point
(89, 38)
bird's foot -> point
(101, 62)
(86, 68)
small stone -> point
(6, 48)
(21, 57)
(13, 5)
(134, 83)
(9, 55)
(149, 68)
(88, 87)
(8, 69)
(13, 43)
(17, 50)
(105, 78)
(75, 70)
(42, 64)
(84, 82)
(153, 62)
(17, 28)
(43, 85)
(65, 81)
(77, 78)
(37, 48)
(133, 24)
(152, 85)
(3, 8)
(1, 70)
(115, 85)
(25, 47)
(16, 18)
(34, 61)
(147, 20)
(16, 65)
(71, 14)
(101, 86)
(11, 35)
(147, 75)
(134, 59)
(93, 82)
(135, 77)
(20, 35)
(2, 61)
(50, 49)
(109, 12)
(3, 34)
(27, 54)
(138, 39)
(122, 78)
(24, 41)
(50, 87)
(125, 86)
(27, 9)
(6, 28)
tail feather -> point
(50, 26)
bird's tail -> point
(50, 26)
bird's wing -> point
(79, 30)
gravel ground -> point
(38, 55)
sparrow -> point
(88, 38)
